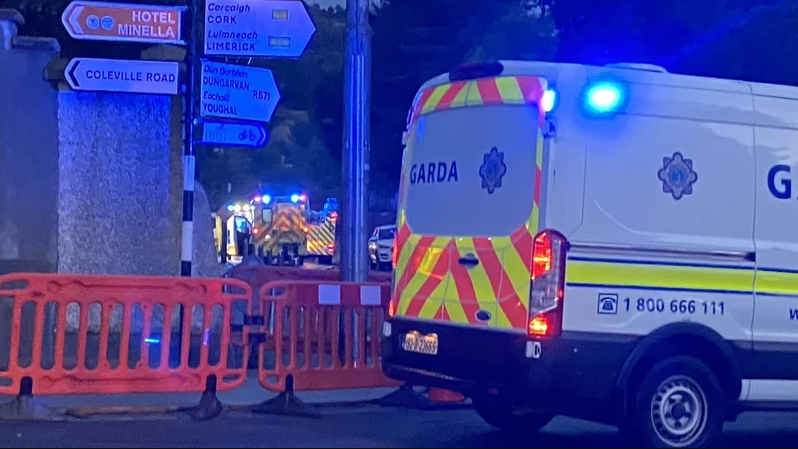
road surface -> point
(367, 427)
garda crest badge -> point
(677, 175)
(492, 170)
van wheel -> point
(502, 417)
(679, 404)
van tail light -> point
(392, 306)
(546, 293)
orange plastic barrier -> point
(257, 276)
(326, 335)
(74, 334)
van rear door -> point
(469, 203)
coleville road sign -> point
(116, 75)
(123, 22)
(274, 28)
(253, 135)
(236, 91)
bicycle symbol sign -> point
(252, 135)
(247, 134)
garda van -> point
(611, 243)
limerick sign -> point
(274, 28)
(123, 22)
(238, 92)
(116, 75)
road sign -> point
(123, 22)
(117, 75)
(236, 91)
(273, 28)
(234, 134)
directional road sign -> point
(273, 28)
(237, 91)
(123, 22)
(116, 75)
(253, 135)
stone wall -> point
(89, 182)
(28, 151)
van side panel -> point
(669, 216)
(563, 193)
(776, 313)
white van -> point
(610, 243)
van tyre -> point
(679, 403)
(502, 417)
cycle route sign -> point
(237, 134)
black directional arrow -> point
(71, 74)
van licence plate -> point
(419, 343)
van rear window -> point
(471, 171)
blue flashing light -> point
(230, 207)
(603, 98)
(266, 199)
(549, 100)
(295, 198)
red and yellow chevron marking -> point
(481, 92)
(320, 237)
(286, 228)
(430, 283)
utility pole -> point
(193, 19)
(357, 139)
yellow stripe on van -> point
(665, 276)
(509, 89)
(777, 283)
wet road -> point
(353, 427)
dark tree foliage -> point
(747, 39)
(305, 149)
(415, 40)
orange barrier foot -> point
(286, 403)
(445, 396)
(406, 396)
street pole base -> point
(286, 403)
(28, 408)
(209, 407)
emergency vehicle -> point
(321, 235)
(628, 255)
(280, 228)
(238, 227)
